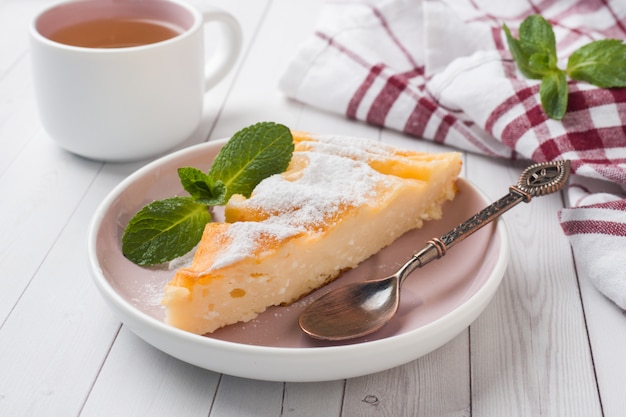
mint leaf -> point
(536, 36)
(602, 63)
(252, 154)
(522, 59)
(200, 186)
(164, 230)
(219, 195)
(195, 182)
(553, 93)
(541, 64)
(535, 50)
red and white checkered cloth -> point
(441, 70)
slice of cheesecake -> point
(340, 201)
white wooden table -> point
(548, 345)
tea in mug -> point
(115, 33)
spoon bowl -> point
(370, 305)
(362, 308)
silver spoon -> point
(362, 308)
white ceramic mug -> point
(131, 102)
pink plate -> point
(438, 301)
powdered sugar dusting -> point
(246, 236)
(328, 184)
(349, 147)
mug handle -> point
(229, 46)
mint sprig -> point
(169, 228)
(600, 63)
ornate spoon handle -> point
(536, 180)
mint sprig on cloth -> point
(601, 63)
(169, 228)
